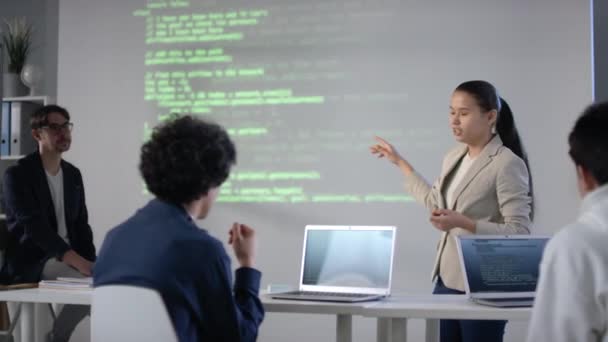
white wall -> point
(546, 76)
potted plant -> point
(17, 39)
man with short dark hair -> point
(572, 295)
(160, 247)
(49, 233)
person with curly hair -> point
(160, 247)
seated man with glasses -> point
(48, 230)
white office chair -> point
(129, 314)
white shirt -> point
(572, 294)
(56, 188)
(465, 165)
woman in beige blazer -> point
(484, 188)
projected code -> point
(280, 79)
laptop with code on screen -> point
(501, 271)
(345, 264)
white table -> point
(31, 297)
(393, 312)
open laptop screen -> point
(502, 264)
(348, 258)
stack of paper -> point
(64, 283)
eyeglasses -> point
(57, 128)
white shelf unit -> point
(44, 100)
(11, 157)
(41, 99)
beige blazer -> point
(494, 192)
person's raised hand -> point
(242, 239)
(383, 149)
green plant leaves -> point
(18, 42)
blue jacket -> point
(161, 248)
(32, 226)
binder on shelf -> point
(5, 129)
(6, 112)
(21, 141)
(1, 71)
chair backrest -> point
(130, 314)
(3, 241)
(3, 234)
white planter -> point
(12, 86)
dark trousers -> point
(451, 330)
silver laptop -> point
(501, 271)
(345, 264)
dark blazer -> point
(32, 225)
(161, 248)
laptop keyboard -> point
(499, 300)
(329, 294)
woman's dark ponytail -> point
(488, 99)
